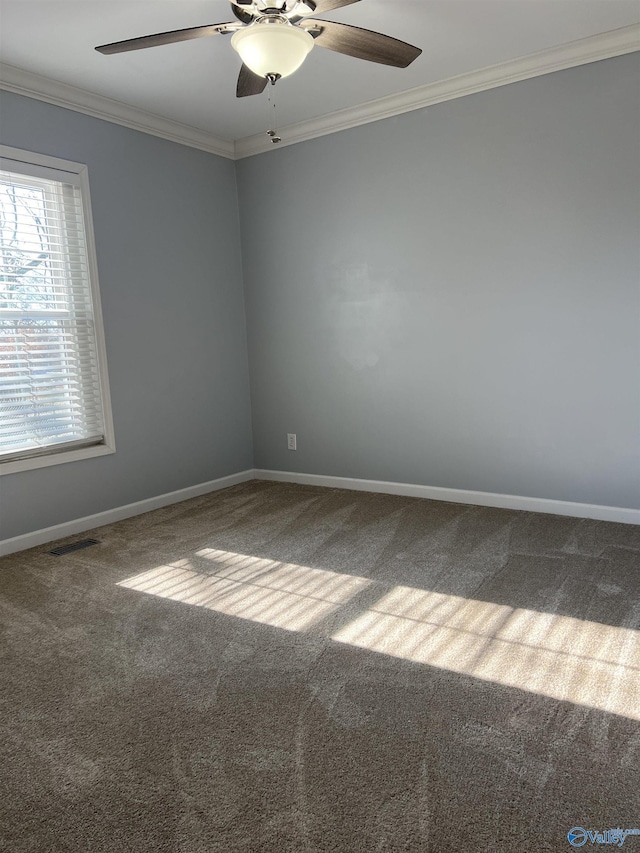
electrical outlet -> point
(291, 441)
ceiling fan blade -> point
(166, 38)
(323, 6)
(249, 83)
(363, 44)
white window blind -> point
(51, 394)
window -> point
(54, 396)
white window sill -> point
(55, 458)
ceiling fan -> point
(273, 38)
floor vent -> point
(75, 546)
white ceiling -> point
(193, 82)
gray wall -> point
(452, 297)
(166, 226)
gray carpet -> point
(286, 668)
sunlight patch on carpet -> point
(284, 595)
(570, 659)
(561, 657)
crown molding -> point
(23, 82)
(592, 49)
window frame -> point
(16, 159)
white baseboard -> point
(460, 496)
(79, 525)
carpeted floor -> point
(277, 668)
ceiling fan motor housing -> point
(290, 8)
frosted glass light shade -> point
(272, 48)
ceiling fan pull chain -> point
(272, 121)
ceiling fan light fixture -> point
(272, 47)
